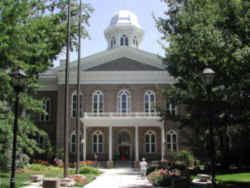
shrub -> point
(151, 169)
(89, 170)
(160, 178)
(37, 167)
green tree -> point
(32, 34)
(215, 34)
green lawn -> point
(235, 180)
(22, 176)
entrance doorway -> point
(124, 153)
(124, 146)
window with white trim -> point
(123, 101)
(113, 42)
(135, 42)
(124, 40)
(171, 108)
(172, 140)
(41, 141)
(46, 105)
(97, 142)
(149, 101)
(74, 105)
(150, 142)
(97, 102)
(73, 143)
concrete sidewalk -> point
(120, 178)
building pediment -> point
(114, 59)
(124, 64)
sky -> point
(101, 17)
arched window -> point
(149, 101)
(74, 105)
(46, 105)
(171, 108)
(172, 140)
(150, 142)
(124, 40)
(73, 143)
(123, 101)
(41, 140)
(97, 102)
(113, 42)
(135, 42)
(97, 142)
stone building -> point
(120, 89)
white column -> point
(85, 143)
(162, 143)
(110, 143)
(136, 144)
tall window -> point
(172, 142)
(135, 42)
(97, 141)
(41, 141)
(97, 102)
(113, 42)
(123, 101)
(171, 108)
(149, 101)
(73, 143)
(74, 105)
(46, 104)
(150, 142)
(124, 40)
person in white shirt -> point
(143, 167)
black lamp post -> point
(208, 77)
(18, 77)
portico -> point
(124, 135)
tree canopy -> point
(215, 34)
(32, 34)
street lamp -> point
(18, 77)
(208, 77)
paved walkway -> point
(120, 178)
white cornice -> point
(118, 77)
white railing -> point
(120, 114)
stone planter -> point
(203, 181)
(51, 183)
(110, 164)
(67, 182)
(36, 178)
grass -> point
(235, 180)
(22, 176)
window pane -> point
(147, 148)
(152, 138)
(153, 148)
(95, 148)
(168, 138)
(174, 138)
(73, 138)
(95, 139)
(73, 147)
(100, 138)
(169, 147)
(147, 138)
(100, 148)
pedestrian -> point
(143, 167)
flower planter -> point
(36, 178)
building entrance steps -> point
(122, 177)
